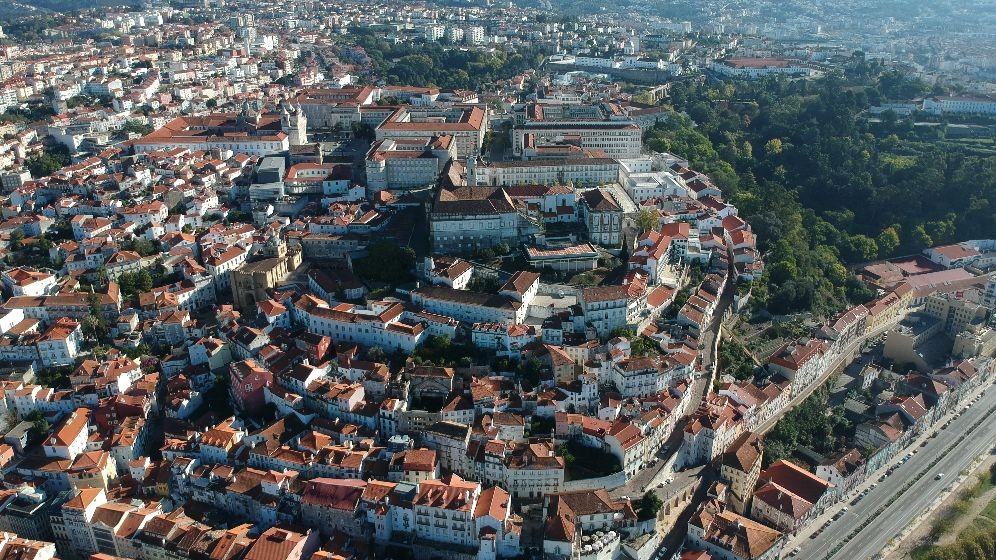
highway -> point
(909, 491)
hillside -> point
(12, 9)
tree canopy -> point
(386, 262)
(821, 185)
(431, 64)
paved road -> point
(912, 501)
(701, 385)
(842, 360)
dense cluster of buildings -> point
(203, 355)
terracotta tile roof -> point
(342, 494)
(744, 453)
(493, 502)
(277, 543)
(420, 460)
(745, 538)
(448, 493)
(796, 480)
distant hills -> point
(13, 9)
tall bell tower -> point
(294, 123)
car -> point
(814, 535)
(924, 443)
(939, 476)
(795, 551)
(881, 478)
(660, 485)
(874, 484)
(844, 510)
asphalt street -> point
(907, 500)
(843, 359)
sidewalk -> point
(918, 533)
(802, 537)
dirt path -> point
(921, 534)
(964, 521)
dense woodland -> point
(432, 64)
(822, 185)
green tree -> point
(387, 262)
(888, 241)
(52, 159)
(921, 239)
(649, 505)
(39, 426)
(646, 220)
(376, 354)
(565, 453)
(17, 240)
(144, 247)
(95, 324)
(862, 248)
(137, 127)
(143, 280)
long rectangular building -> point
(238, 132)
(618, 139)
(470, 307)
(466, 124)
(471, 218)
(328, 108)
(582, 171)
(380, 324)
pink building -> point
(248, 380)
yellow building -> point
(93, 469)
(740, 467)
(251, 280)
